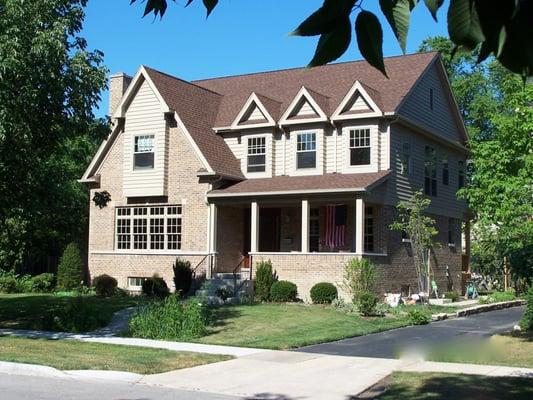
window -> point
(445, 171)
(154, 228)
(360, 147)
(135, 283)
(143, 152)
(430, 172)
(369, 230)
(256, 154)
(406, 159)
(314, 230)
(306, 150)
(431, 99)
(451, 231)
(461, 174)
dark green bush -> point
(283, 291)
(452, 295)
(10, 282)
(498, 297)
(367, 303)
(264, 278)
(155, 287)
(527, 320)
(418, 316)
(323, 293)
(170, 320)
(43, 283)
(182, 276)
(70, 269)
(77, 315)
(105, 285)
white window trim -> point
(374, 149)
(135, 288)
(267, 173)
(133, 152)
(319, 148)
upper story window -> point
(461, 174)
(406, 159)
(445, 171)
(256, 154)
(153, 227)
(430, 172)
(306, 150)
(143, 152)
(360, 146)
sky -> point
(240, 36)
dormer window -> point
(143, 152)
(306, 150)
(256, 154)
(360, 146)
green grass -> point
(76, 355)
(432, 386)
(30, 311)
(282, 326)
(507, 350)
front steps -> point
(224, 288)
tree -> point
(70, 271)
(503, 30)
(420, 230)
(49, 84)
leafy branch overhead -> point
(504, 30)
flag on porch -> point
(335, 225)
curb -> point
(489, 307)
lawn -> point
(509, 350)
(32, 311)
(282, 326)
(431, 386)
(76, 355)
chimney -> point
(118, 84)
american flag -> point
(335, 225)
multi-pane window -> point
(143, 152)
(406, 158)
(451, 231)
(153, 227)
(359, 146)
(430, 172)
(461, 174)
(135, 283)
(369, 230)
(314, 230)
(445, 171)
(256, 154)
(306, 150)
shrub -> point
(155, 287)
(70, 269)
(498, 297)
(105, 285)
(452, 295)
(77, 315)
(418, 316)
(10, 282)
(527, 320)
(182, 276)
(283, 291)
(224, 293)
(264, 278)
(170, 320)
(366, 303)
(323, 293)
(359, 277)
(43, 283)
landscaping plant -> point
(366, 303)
(359, 277)
(527, 320)
(105, 285)
(155, 287)
(77, 315)
(323, 293)
(283, 291)
(70, 269)
(264, 278)
(43, 283)
(418, 316)
(498, 297)
(182, 276)
(452, 295)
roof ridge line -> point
(182, 80)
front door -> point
(269, 229)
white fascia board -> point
(287, 192)
(191, 141)
(88, 175)
(303, 93)
(356, 87)
(252, 99)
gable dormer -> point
(255, 113)
(307, 106)
(361, 101)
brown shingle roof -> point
(300, 184)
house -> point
(302, 167)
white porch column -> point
(212, 238)
(305, 226)
(254, 236)
(359, 225)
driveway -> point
(391, 343)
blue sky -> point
(240, 36)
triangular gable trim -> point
(356, 90)
(253, 101)
(289, 117)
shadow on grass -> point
(221, 315)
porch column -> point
(359, 230)
(254, 236)
(212, 239)
(305, 226)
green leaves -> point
(158, 7)
(332, 45)
(370, 39)
(463, 24)
(398, 13)
(325, 19)
(433, 6)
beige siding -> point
(417, 106)
(331, 151)
(278, 154)
(144, 117)
(304, 109)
